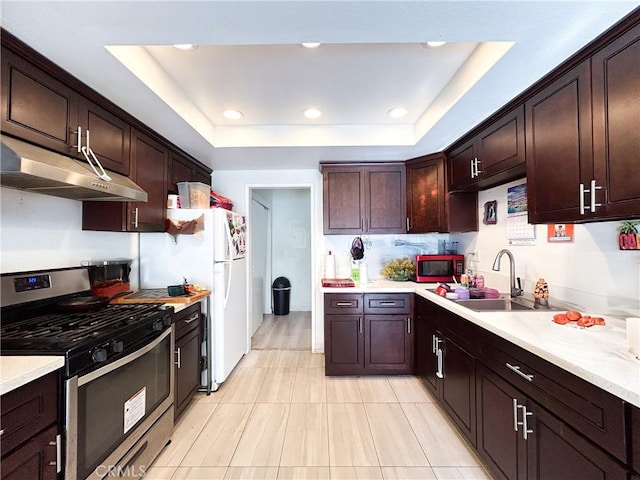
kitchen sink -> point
(502, 304)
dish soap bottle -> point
(355, 271)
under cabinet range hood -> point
(28, 167)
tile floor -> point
(279, 417)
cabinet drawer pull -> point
(387, 304)
(516, 369)
(344, 304)
(193, 318)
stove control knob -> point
(99, 355)
(157, 326)
(166, 321)
(117, 346)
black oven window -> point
(435, 268)
(102, 403)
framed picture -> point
(490, 213)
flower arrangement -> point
(399, 269)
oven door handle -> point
(124, 360)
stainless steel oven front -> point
(119, 416)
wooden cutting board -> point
(337, 282)
(160, 295)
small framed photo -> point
(490, 213)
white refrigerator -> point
(214, 257)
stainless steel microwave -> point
(439, 268)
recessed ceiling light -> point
(435, 44)
(185, 46)
(232, 114)
(397, 112)
(311, 44)
(312, 113)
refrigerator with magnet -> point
(214, 257)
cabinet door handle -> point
(440, 371)
(79, 139)
(516, 369)
(516, 406)
(192, 318)
(178, 357)
(135, 218)
(58, 462)
(408, 225)
(478, 172)
(409, 325)
(593, 189)
(582, 192)
(525, 427)
(344, 304)
(435, 343)
(472, 169)
(360, 324)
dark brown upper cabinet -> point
(559, 146)
(108, 136)
(615, 83)
(430, 208)
(36, 106)
(493, 156)
(582, 139)
(149, 166)
(181, 169)
(41, 109)
(364, 198)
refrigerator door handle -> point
(226, 293)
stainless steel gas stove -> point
(118, 367)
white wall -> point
(41, 232)
(591, 272)
(291, 247)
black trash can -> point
(281, 295)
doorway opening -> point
(280, 235)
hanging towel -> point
(357, 249)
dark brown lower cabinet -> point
(388, 347)
(36, 459)
(445, 365)
(368, 334)
(30, 430)
(527, 418)
(344, 344)
(188, 325)
(519, 439)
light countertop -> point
(16, 371)
(598, 354)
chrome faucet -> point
(515, 291)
